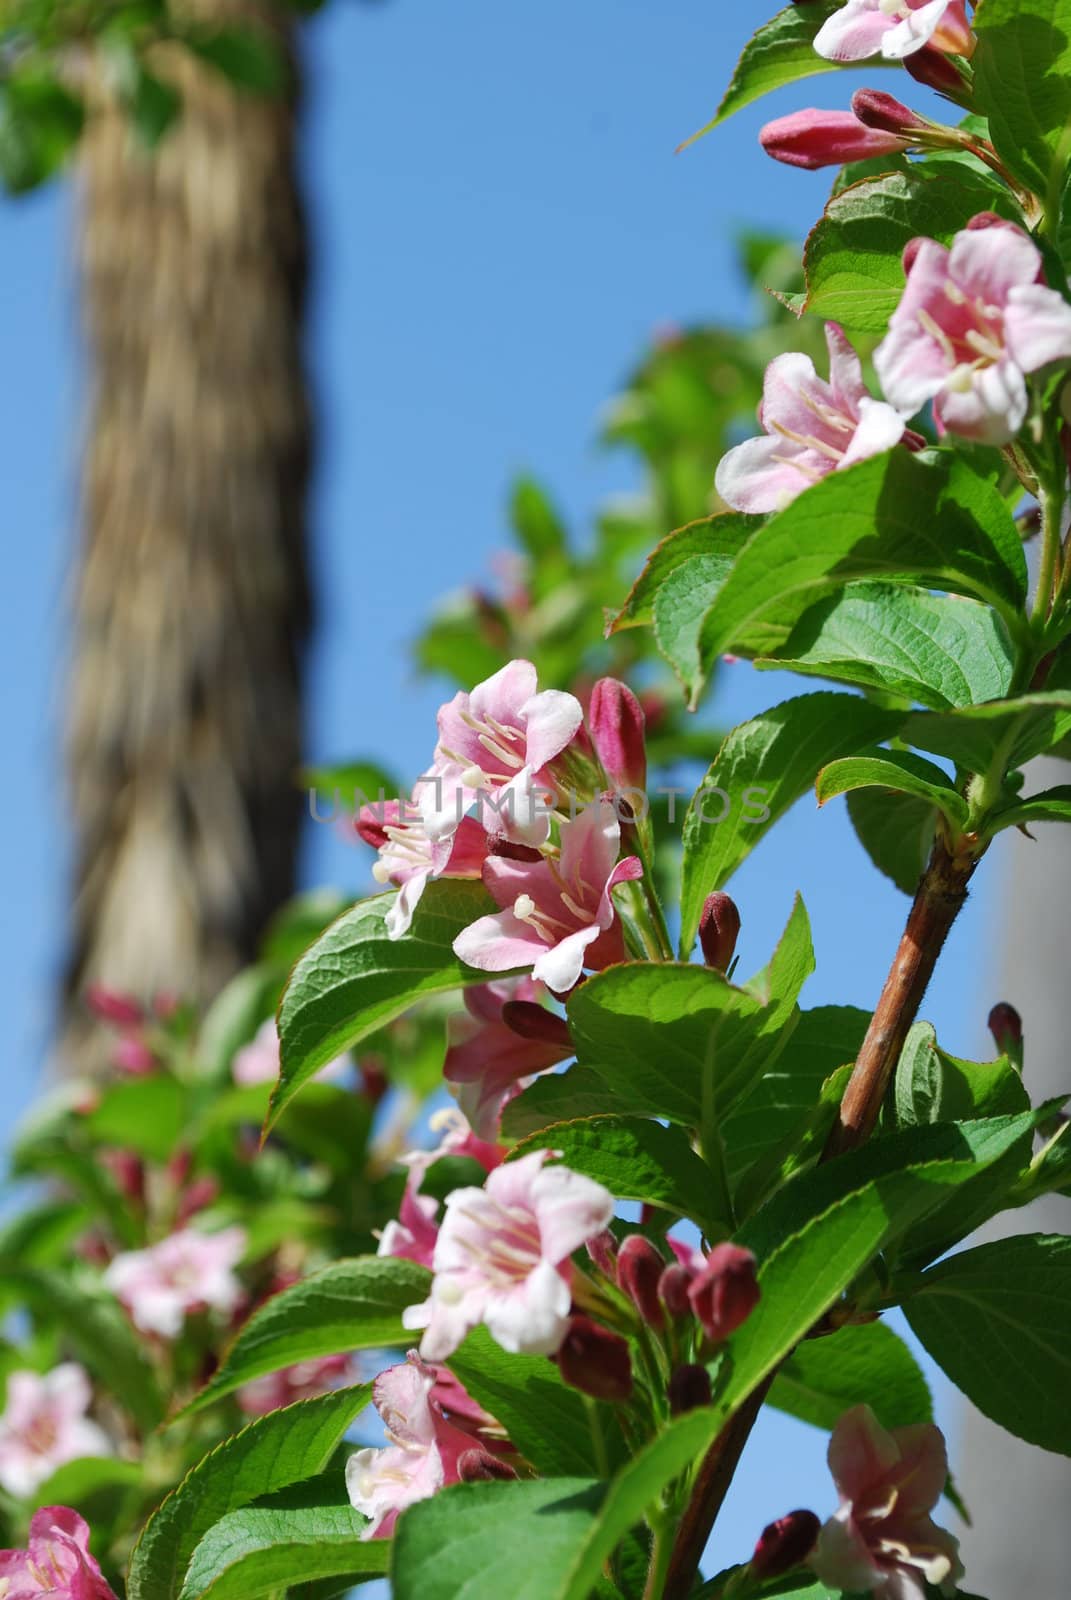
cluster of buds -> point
(132, 1053)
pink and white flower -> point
(811, 428)
(972, 322)
(895, 29)
(882, 1539)
(409, 858)
(487, 1059)
(57, 1565)
(422, 1454)
(188, 1271)
(557, 916)
(503, 1258)
(44, 1425)
(498, 741)
(303, 1381)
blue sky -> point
(500, 221)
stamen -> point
(510, 757)
(935, 331)
(983, 344)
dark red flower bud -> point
(480, 1466)
(1006, 1026)
(595, 1361)
(938, 71)
(616, 720)
(128, 1172)
(111, 1006)
(533, 1021)
(725, 1291)
(201, 1193)
(689, 1388)
(603, 1251)
(785, 1544)
(876, 109)
(673, 1288)
(639, 1268)
(719, 929)
(374, 1080)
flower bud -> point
(719, 929)
(603, 1251)
(616, 720)
(785, 1544)
(1006, 1026)
(938, 71)
(673, 1288)
(689, 1388)
(111, 1006)
(133, 1056)
(876, 109)
(533, 1021)
(639, 1268)
(480, 1466)
(725, 1291)
(595, 1361)
(813, 139)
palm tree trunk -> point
(184, 732)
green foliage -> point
(899, 771)
(862, 1364)
(1022, 73)
(896, 831)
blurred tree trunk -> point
(1019, 1495)
(191, 601)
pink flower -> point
(814, 139)
(409, 858)
(302, 1381)
(57, 1564)
(487, 1058)
(187, 1271)
(894, 29)
(44, 1425)
(422, 1454)
(882, 1539)
(811, 428)
(258, 1061)
(414, 1233)
(971, 323)
(502, 1258)
(556, 917)
(497, 741)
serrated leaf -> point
(1012, 731)
(932, 1086)
(716, 539)
(350, 1305)
(995, 1319)
(764, 766)
(852, 258)
(897, 833)
(868, 1363)
(938, 650)
(925, 518)
(355, 978)
(896, 771)
(274, 1451)
(1022, 83)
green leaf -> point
(852, 259)
(868, 1363)
(995, 1319)
(716, 540)
(1049, 805)
(679, 1041)
(152, 105)
(349, 785)
(898, 771)
(355, 978)
(247, 57)
(95, 1485)
(262, 1551)
(923, 518)
(274, 1451)
(764, 766)
(931, 1086)
(350, 1305)
(782, 51)
(556, 1428)
(97, 1330)
(536, 523)
(636, 1159)
(145, 1115)
(487, 1541)
(1008, 731)
(896, 831)
(1022, 80)
(934, 649)
(232, 1019)
(40, 123)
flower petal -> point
(1037, 326)
(854, 32)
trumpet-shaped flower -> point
(557, 916)
(187, 1271)
(811, 428)
(422, 1454)
(972, 322)
(882, 1539)
(503, 1258)
(57, 1565)
(486, 1058)
(44, 1425)
(496, 742)
(894, 29)
(409, 858)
